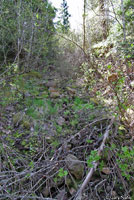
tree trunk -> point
(19, 32)
(123, 20)
(104, 19)
(84, 27)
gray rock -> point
(52, 84)
(60, 121)
(21, 119)
(17, 118)
(75, 166)
(55, 94)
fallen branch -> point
(95, 164)
(78, 134)
(20, 196)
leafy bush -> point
(27, 32)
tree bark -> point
(104, 19)
(84, 27)
(123, 20)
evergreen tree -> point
(65, 25)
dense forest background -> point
(66, 101)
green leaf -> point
(62, 173)
(121, 127)
(125, 149)
(31, 164)
(109, 66)
(101, 165)
(89, 141)
(37, 16)
(93, 158)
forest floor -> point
(51, 131)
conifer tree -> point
(65, 25)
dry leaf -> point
(113, 78)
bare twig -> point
(78, 134)
(95, 164)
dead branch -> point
(95, 164)
(78, 134)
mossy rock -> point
(94, 100)
(33, 74)
(71, 91)
(54, 93)
(21, 119)
(26, 124)
(17, 118)
(44, 94)
(75, 166)
(71, 183)
(51, 84)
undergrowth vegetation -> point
(66, 102)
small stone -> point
(71, 91)
(60, 121)
(132, 84)
(61, 194)
(45, 192)
(54, 94)
(114, 194)
(106, 170)
(75, 166)
(49, 139)
(72, 191)
(108, 188)
(52, 84)
(52, 89)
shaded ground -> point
(49, 128)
